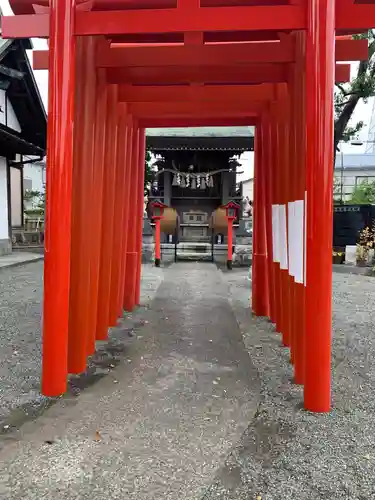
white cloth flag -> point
(291, 231)
(283, 249)
(299, 240)
(275, 234)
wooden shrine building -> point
(197, 172)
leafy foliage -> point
(148, 171)
(30, 195)
(363, 194)
(348, 95)
(37, 199)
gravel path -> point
(21, 290)
(156, 428)
(20, 338)
(287, 452)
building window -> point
(364, 179)
(27, 184)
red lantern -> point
(231, 210)
(157, 208)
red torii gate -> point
(118, 66)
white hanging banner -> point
(283, 248)
(291, 236)
(275, 234)
(299, 240)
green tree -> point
(348, 95)
(148, 171)
(363, 194)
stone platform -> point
(197, 250)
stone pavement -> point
(18, 259)
(160, 424)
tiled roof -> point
(201, 132)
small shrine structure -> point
(197, 173)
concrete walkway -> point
(18, 259)
(160, 425)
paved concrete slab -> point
(161, 423)
(18, 259)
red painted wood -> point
(140, 212)
(319, 187)
(58, 198)
(260, 299)
(195, 94)
(202, 55)
(106, 254)
(207, 19)
(351, 50)
(252, 74)
(223, 64)
(97, 195)
(122, 231)
(266, 128)
(273, 184)
(197, 122)
(351, 19)
(299, 187)
(355, 17)
(157, 240)
(164, 21)
(206, 56)
(230, 241)
(26, 6)
(203, 108)
(131, 257)
(127, 269)
(226, 74)
(118, 215)
(82, 221)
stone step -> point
(203, 239)
(194, 256)
(193, 244)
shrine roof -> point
(17, 80)
(201, 132)
(236, 139)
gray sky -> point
(363, 111)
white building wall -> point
(12, 121)
(34, 176)
(4, 228)
(7, 114)
(2, 107)
(248, 189)
(247, 166)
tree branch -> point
(361, 88)
(339, 104)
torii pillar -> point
(62, 50)
(320, 65)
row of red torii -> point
(118, 66)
